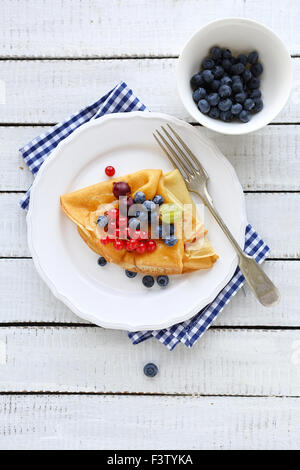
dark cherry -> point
(121, 189)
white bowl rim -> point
(197, 114)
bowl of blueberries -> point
(234, 76)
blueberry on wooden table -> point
(150, 369)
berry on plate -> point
(148, 281)
(102, 261)
(139, 197)
(130, 274)
(162, 281)
(110, 171)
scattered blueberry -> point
(134, 223)
(214, 113)
(216, 53)
(207, 76)
(252, 57)
(218, 71)
(197, 81)
(256, 69)
(225, 105)
(240, 97)
(102, 221)
(236, 109)
(215, 85)
(227, 54)
(142, 216)
(224, 91)
(254, 83)
(139, 197)
(171, 240)
(204, 106)
(258, 106)
(214, 98)
(102, 261)
(150, 369)
(158, 199)
(208, 63)
(237, 69)
(242, 58)
(226, 116)
(244, 116)
(249, 104)
(149, 205)
(226, 80)
(130, 274)
(162, 281)
(148, 281)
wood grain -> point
(272, 215)
(223, 362)
(26, 298)
(98, 28)
(46, 91)
(132, 422)
(265, 160)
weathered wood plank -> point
(49, 91)
(81, 359)
(93, 422)
(88, 28)
(26, 298)
(272, 214)
(264, 160)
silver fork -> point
(196, 179)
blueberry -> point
(196, 81)
(247, 75)
(213, 98)
(226, 116)
(226, 54)
(226, 80)
(102, 221)
(242, 58)
(134, 224)
(224, 91)
(142, 215)
(214, 113)
(218, 71)
(198, 95)
(153, 217)
(148, 281)
(256, 69)
(258, 105)
(226, 64)
(215, 84)
(255, 93)
(171, 240)
(215, 52)
(249, 104)
(236, 109)
(252, 57)
(204, 106)
(102, 261)
(130, 274)
(149, 205)
(207, 63)
(235, 78)
(168, 230)
(254, 83)
(225, 105)
(237, 87)
(162, 281)
(240, 97)
(150, 369)
(207, 76)
(158, 199)
(244, 116)
(139, 197)
(158, 231)
(237, 69)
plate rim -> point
(66, 299)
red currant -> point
(113, 214)
(135, 234)
(131, 245)
(110, 171)
(118, 244)
(151, 246)
(123, 222)
(105, 240)
(141, 248)
(143, 235)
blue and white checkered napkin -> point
(122, 99)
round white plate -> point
(105, 296)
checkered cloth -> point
(122, 99)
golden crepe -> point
(192, 250)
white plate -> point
(105, 296)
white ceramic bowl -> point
(240, 35)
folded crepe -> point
(192, 251)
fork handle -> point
(262, 286)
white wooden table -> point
(66, 384)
